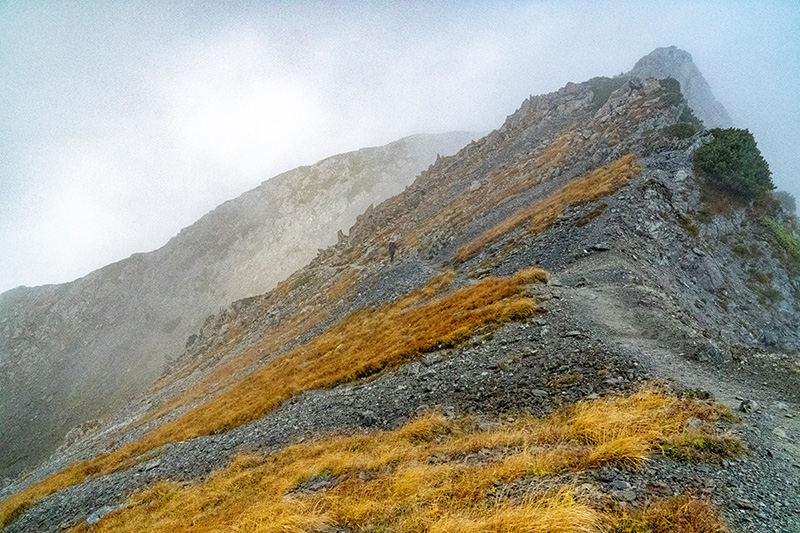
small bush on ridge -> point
(733, 162)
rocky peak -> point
(590, 183)
(676, 63)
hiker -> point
(392, 250)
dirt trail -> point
(770, 475)
(646, 331)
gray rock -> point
(624, 495)
(619, 484)
(606, 474)
(693, 424)
(678, 64)
(368, 418)
(431, 359)
(100, 513)
(748, 406)
(744, 503)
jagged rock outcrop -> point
(676, 63)
(80, 350)
(646, 283)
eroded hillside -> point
(78, 351)
(567, 301)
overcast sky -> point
(122, 122)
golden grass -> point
(18, 503)
(681, 514)
(502, 185)
(532, 275)
(364, 343)
(342, 285)
(297, 324)
(226, 373)
(426, 477)
(543, 214)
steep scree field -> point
(439, 474)
(81, 350)
(341, 399)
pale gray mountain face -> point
(676, 63)
(80, 350)
(644, 285)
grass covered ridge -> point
(363, 344)
(440, 475)
(543, 214)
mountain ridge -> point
(676, 63)
(644, 283)
(107, 335)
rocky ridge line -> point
(636, 294)
(78, 351)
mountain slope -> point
(647, 281)
(676, 63)
(80, 350)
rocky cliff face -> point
(80, 350)
(678, 64)
(647, 282)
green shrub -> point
(690, 227)
(700, 448)
(671, 90)
(688, 124)
(762, 278)
(681, 130)
(783, 235)
(770, 296)
(688, 116)
(733, 162)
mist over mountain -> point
(126, 122)
(80, 350)
(675, 63)
(586, 320)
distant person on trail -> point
(392, 250)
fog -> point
(122, 122)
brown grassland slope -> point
(364, 343)
(543, 214)
(533, 192)
(429, 476)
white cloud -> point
(122, 123)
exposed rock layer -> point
(80, 350)
(678, 64)
(643, 287)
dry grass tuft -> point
(703, 447)
(363, 344)
(543, 214)
(426, 476)
(682, 514)
(532, 275)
